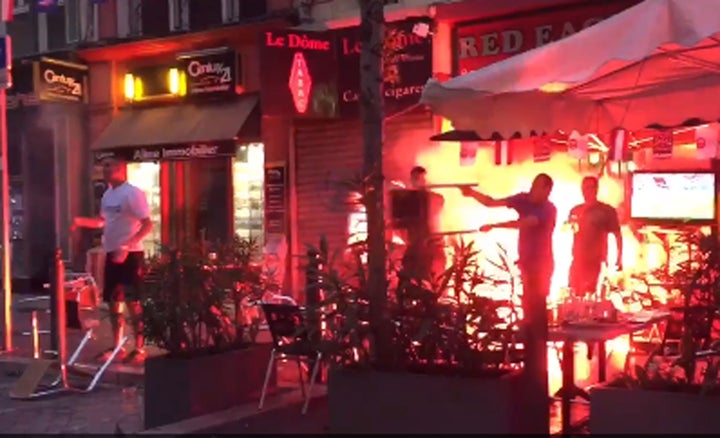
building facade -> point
(220, 163)
(46, 133)
(427, 39)
(174, 90)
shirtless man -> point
(592, 222)
(125, 219)
(425, 254)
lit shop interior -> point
(199, 202)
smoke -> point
(442, 161)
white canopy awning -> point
(657, 63)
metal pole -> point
(54, 295)
(6, 250)
(56, 172)
(60, 315)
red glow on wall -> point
(300, 83)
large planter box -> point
(371, 402)
(180, 388)
(627, 411)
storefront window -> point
(146, 176)
(248, 174)
(357, 226)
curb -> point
(233, 415)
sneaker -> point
(136, 356)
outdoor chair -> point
(697, 319)
(75, 285)
(291, 341)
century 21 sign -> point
(56, 80)
(210, 74)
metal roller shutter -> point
(331, 151)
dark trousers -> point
(584, 276)
(424, 260)
(536, 288)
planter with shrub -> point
(674, 391)
(193, 311)
(454, 362)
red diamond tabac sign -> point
(300, 83)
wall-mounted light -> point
(132, 87)
(129, 87)
(174, 81)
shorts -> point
(123, 281)
(584, 276)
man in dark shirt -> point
(536, 223)
(425, 254)
(592, 221)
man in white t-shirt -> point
(125, 219)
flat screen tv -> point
(674, 197)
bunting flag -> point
(468, 153)
(706, 141)
(47, 6)
(578, 146)
(7, 9)
(619, 145)
(503, 153)
(542, 149)
(662, 146)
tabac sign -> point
(60, 81)
(299, 74)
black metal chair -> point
(291, 341)
(697, 320)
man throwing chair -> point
(125, 220)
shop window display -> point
(248, 203)
(146, 176)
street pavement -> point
(110, 408)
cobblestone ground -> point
(106, 410)
(117, 404)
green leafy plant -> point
(440, 324)
(694, 367)
(194, 295)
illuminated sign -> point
(60, 81)
(210, 73)
(171, 152)
(306, 61)
(481, 44)
(407, 66)
(300, 83)
(67, 84)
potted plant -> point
(193, 296)
(452, 360)
(674, 391)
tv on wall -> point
(674, 197)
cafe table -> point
(592, 332)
